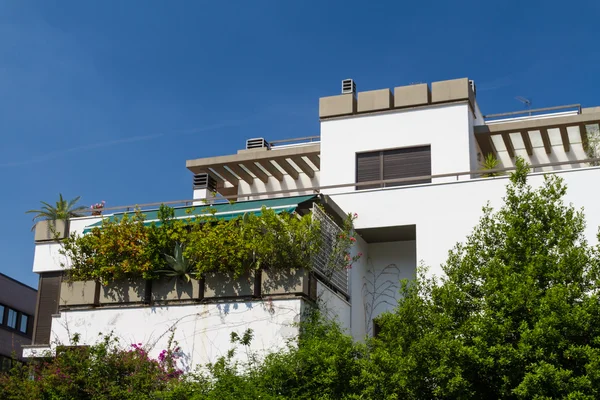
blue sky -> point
(107, 99)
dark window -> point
(403, 163)
(376, 328)
(23, 323)
(12, 318)
(1, 315)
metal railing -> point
(328, 269)
(283, 142)
(534, 110)
(382, 183)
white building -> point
(408, 163)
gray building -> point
(17, 309)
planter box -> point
(288, 281)
(51, 230)
(175, 289)
(79, 293)
(125, 291)
(224, 285)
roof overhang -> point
(548, 134)
(260, 164)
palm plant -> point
(62, 211)
(490, 163)
(180, 265)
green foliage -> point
(63, 210)
(180, 265)
(126, 248)
(490, 162)
(103, 371)
(516, 317)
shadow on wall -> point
(126, 291)
(380, 289)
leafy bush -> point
(127, 248)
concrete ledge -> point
(288, 281)
(126, 291)
(452, 90)
(78, 293)
(225, 285)
(332, 106)
(175, 289)
(374, 100)
(412, 95)
(51, 230)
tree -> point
(62, 211)
(516, 317)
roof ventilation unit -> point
(348, 86)
(473, 87)
(204, 181)
(257, 143)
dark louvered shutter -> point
(47, 305)
(368, 168)
(407, 163)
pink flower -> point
(353, 239)
(355, 215)
(359, 254)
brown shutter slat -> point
(47, 305)
(368, 168)
(407, 163)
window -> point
(23, 323)
(1, 315)
(407, 162)
(12, 318)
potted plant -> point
(97, 208)
(52, 221)
(179, 284)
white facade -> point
(398, 227)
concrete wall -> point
(47, 257)
(388, 263)
(357, 274)
(444, 127)
(202, 330)
(445, 214)
(334, 306)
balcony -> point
(228, 251)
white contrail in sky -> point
(55, 154)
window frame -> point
(8, 318)
(20, 324)
(381, 156)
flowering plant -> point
(96, 207)
(343, 245)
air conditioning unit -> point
(348, 86)
(205, 181)
(473, 87)
(257, 143)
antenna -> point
(525, 101)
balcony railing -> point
(351, 185)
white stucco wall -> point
(388, 263)
(334, 306)
(445, 214)
(47, 257)
(357, 274)
(202, 330)
(445, 127)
